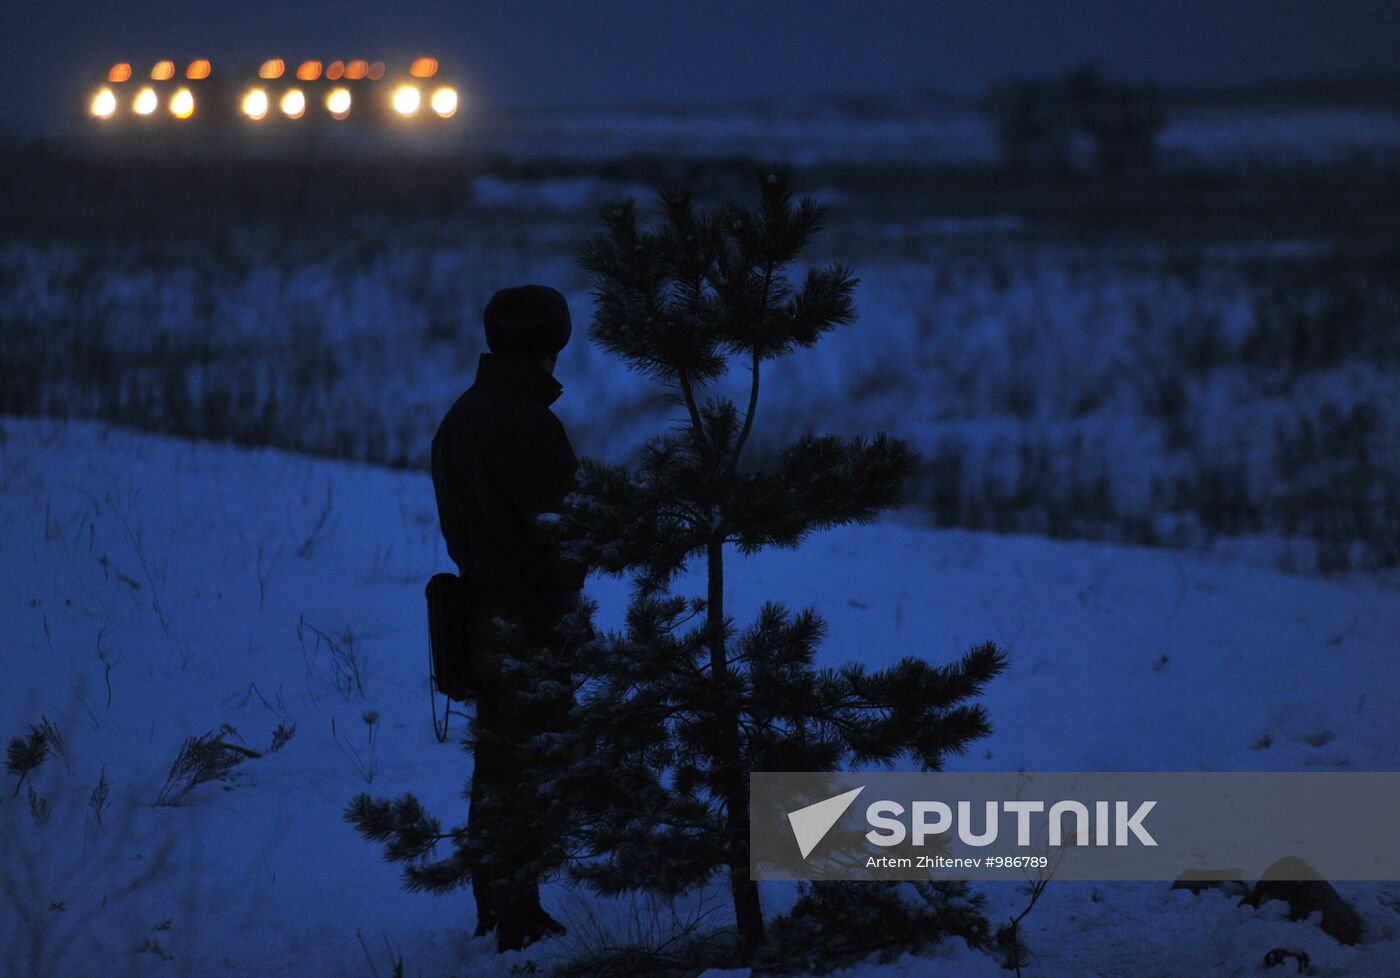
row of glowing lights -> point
(406, 100)
(274, 68)
(161, 71)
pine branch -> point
(696, 428)
(749, 413)
(690, 240)
(817, 483)
(756, 360)
(407, 831)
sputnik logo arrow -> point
(811, 824)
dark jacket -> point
(500, 459)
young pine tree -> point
(645, 783)
(681, 705)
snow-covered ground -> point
(152, 589)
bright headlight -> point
(338, 102)
(293, 104)
(406, 100)
(182, 104)
(104, 103)
(255, 104)
(445, 102)
(146, 102)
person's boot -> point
(538, 925)
(541, 926)
(521, 920)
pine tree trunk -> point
(748, 912)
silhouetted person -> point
(501, 459)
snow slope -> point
(151, 589)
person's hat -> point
(527, 322)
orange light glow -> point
(293, 104)
(198, 70)
(309, 70)
(104, 104)
(424, 68)
(163, 71)
(376, 71)
(335, 71)
(120, 72)
(182, 104)
(338, 102)
(355, 70)
(272, 68)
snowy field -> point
(153, 589)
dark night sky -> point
(559, 52)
